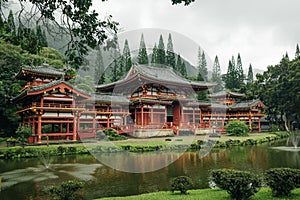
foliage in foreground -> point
(282, 180)
(182, 184)
(239, 184)
(67, 190)
(237, 128)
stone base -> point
(147, 133)
(204, 131)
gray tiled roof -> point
(160, 74)
(44, 69)
(247, 104)
(45, 86)
(224, 93)
(109, 98)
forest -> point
(27, 44)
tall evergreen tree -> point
(239, 71)
(45, 39)
(200, 73)
(142, 56)
(178, 63)
(170, 57)
(161, 53)
(11, 27)
(127, 56)
(154, 54)
(1, 25)
(231, 77)
(183, 69)
(99, 67)
(250, 78)
(297, 54)
(203, 66)
(287, 56)
(216, 75)
(41, 35)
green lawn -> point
(204, 194)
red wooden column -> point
(39, 128)
(75, 126)
(259, 128)
(142, 111)
(94, 125)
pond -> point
(25, 178)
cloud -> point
(262, 31)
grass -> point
(204, 194)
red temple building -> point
(148, 102)
(48, 104)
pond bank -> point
(139, 145)
(204, 194)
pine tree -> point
(250, 76)
(41, 36)
(99, 67)
(178, 63)
(231, 77)
(154, 54)
(1, 25)
(142, 56)
(200, 73)
(216, 75)
(11, 28)
(161, 54)
(183, 69)
(203, 66)
(45, 42)
(239, 71)
(127, 56)
(287, 56)
(170, 57)
(297, 54)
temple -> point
(148, 102)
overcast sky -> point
(261, 30)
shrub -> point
(66, 190)
(113, 135)
(237, 128)
(182, 184)
(239, 184)
(282, 180)
(23, 132)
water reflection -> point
(105, 181)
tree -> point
(297, 54)
(154, 54)
(216, 75)
(178, 63)
(200, 76)
(11, 27)
(231, 77)
(142, 56)
(41, 35)
(170, 57)
(127, 56)
(99, 67)
(77, 19)
(250, 75)
(161, 54)
(203, 66)
(183, 69)
(239, 72)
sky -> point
(260, 30)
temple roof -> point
(35, 90)
(248, 104)
(104, 98)
(224, 93)
(160, 75)
(40, 71)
